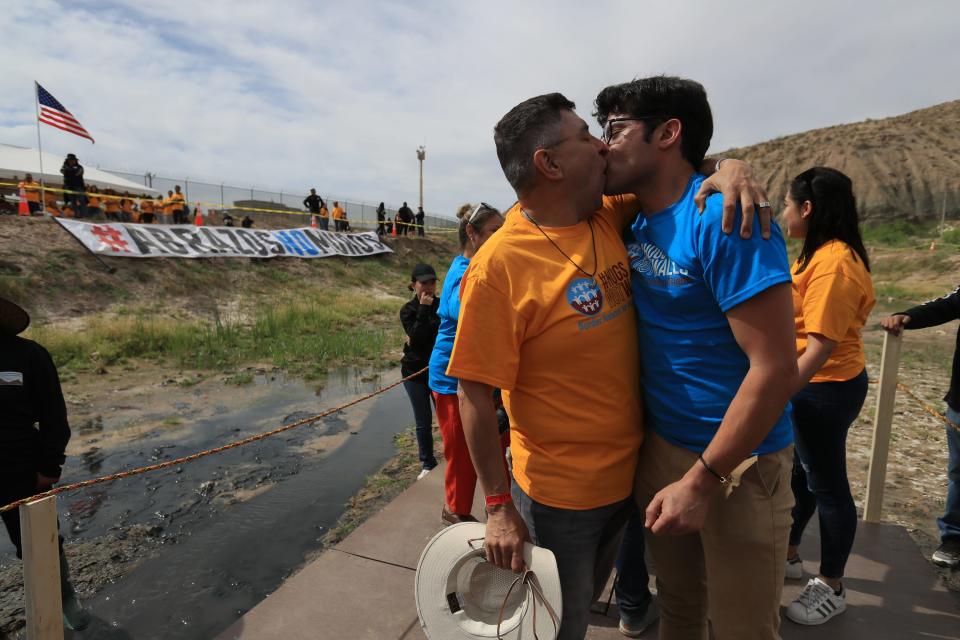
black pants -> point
(14, 486)
(822, 415)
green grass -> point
(240, 379)
(951, 235)
(898, 233)
(301, 336)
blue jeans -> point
(949, 523)
(420, 398)
(822, 415)
(633, 581)
(584, 543)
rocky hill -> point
(907, 166)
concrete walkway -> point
(363, 588)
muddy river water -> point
(217, 535)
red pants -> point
(460, 480)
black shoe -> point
(948, 555)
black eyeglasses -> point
(608, 132)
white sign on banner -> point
(182, 241)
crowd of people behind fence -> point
(80, 201)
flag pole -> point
(36, 104)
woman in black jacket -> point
(421, 322)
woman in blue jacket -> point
(477, 224)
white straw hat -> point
(461, 595)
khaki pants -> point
(732, 571)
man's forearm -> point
(478, 413)
(755, 409)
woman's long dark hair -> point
(834, 215)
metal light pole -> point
(421, 154)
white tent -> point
(17, 161)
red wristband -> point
(502, 498)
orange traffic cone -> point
(313, 222)
(393, 230)
(198, 219)
(23, 209)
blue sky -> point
(294, 94)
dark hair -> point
(834, 214)
(484, 213)
(529, 126)
(664, 97)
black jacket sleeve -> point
(934, 312)
(416, 319)
(51, 416)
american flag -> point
(56, 115)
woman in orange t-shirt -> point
(93, 202)
(146, 211)
(832, 297)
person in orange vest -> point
(50, 204)
(146, 211)
(32, 191)
(112, 206)
(93, 202)
(176, 206)
(324, 217)
(338, 216)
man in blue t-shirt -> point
(715, 322)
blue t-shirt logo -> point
(585, 297)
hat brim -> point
(13, 319)
(439, 557)
(425, 277)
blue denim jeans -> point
(420, 399)
(633, 581)
(949, 523)
(822, 415)
(585, 545)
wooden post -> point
(882, 422)
(41, 569)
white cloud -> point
(339, 95)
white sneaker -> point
(423, 474)
(794, 569)
(817, 604)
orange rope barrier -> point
(926, 407)
(202, 454)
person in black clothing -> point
(421, 322)
(420, 216)
(381, 218)
(932, 314)
(405, 219)
(31, 458)
(247, 222)
(313, 202)
(74, 185)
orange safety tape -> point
(202, 454)
(926, 407)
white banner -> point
(183, 241)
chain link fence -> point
(232, 198)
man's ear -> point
(544, 163)
(669, 133)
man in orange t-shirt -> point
(176, 206)
(338, 217)
(146, 211)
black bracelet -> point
(722, 479)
